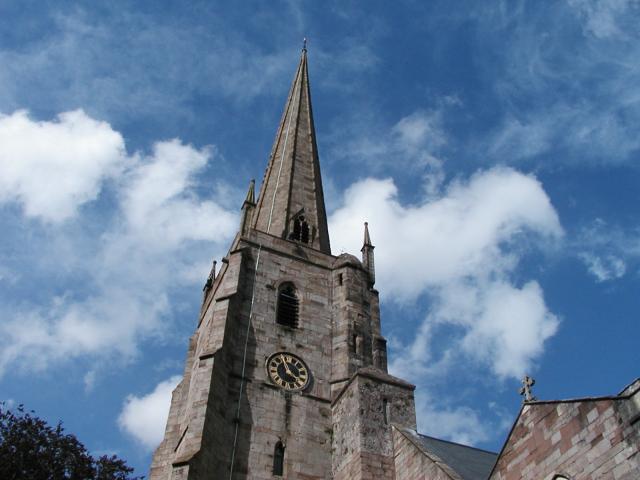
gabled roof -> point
(626, 393)
(468, 462)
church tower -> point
(286, 373)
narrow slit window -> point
(288, 306)
(278, 459)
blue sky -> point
(492, 146)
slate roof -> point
(468, 462)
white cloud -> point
(155, 203)
(128, 260)
(607, 267)
(602, 17)
(414, 138)
(444, 418)
(145, 417)
(516, 139)
(461, 248)
(577, 60)
(53, 167)
(607, 250)
(507, 328)
(89, 380)
(420, 130)
(458, 424)
(67, 68)
(448, 238)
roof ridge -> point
(456, 443)
(628, 387)
(438, 462)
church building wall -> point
(363, 415)
(411, 463)
(300, 420)
(580, 439)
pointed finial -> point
(367, 238)
(251, 196)
(304, 44)
(210, 278)
(367, 256)
(525, 390)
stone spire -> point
(367, 255)
(291, 202)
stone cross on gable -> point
(525, 390)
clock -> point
(288, 371)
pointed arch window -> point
(278, 459)
(301, 230)
(288, 305)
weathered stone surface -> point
(593, 438)
(411, 463)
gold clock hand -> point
(286, 367)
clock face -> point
(288, 371)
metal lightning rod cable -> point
(253, 288)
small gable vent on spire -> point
(300, 229)
(291, 200)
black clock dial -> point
(288, 371)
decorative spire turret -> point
(210, 279)
(247, 207)
(291, 201)
(367, 255)
(251, 198)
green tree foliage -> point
(30, 449)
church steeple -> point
(287, 360)
(291, 202)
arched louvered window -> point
(278, 459)
(300, 230)
(560, 477)
(288, 306)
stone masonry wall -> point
(203, 417)
(189, 405)
(411, 463)
(300, 420)
(362, 417)
(582, 439)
